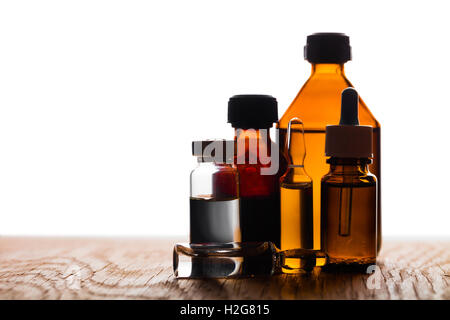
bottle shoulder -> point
(357, 180)
(211, 168)
(318, 104)
(295, 176)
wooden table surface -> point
(124, 268)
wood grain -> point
(97, 268)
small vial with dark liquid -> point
(349, 191)
(214, 198)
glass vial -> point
(214, 198)
(260, 166)
(214, 214)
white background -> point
(99, 101)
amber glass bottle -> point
(349, 190)
(260, 164)
(318, 105)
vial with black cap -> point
(260, 166)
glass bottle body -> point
(296, 202)
(214, 224)
(349, 213)
(296, 210)
(318, 105)
(259, 163)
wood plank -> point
(100, 268)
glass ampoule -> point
(296, 198)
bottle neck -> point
(327, 69)
(252, 134)
(349, 166)
(297, 170)
(214, 162)
(253, 146)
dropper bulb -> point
(349, 107)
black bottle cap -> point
(328, 48)
(349, 139)
(254, 111)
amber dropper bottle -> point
(349, 191)
(318, 104)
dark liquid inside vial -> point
(214, 221)
(260, 219)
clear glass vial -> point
(214, 215)
(214, 198)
